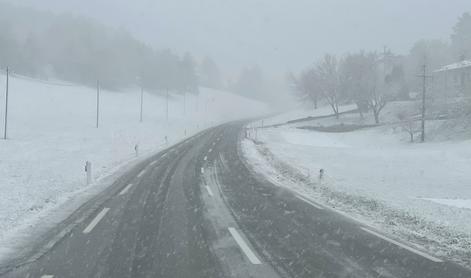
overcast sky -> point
(279, 35)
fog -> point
(235, 138)
(278, 35)
(247, 47)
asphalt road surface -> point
(198, 210)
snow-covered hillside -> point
(417, 191)
(52, 134)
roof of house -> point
(460, 65)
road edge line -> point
(306, 200)
(244, 246)
(403, 246)
(96, 220)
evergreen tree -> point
(461, 37)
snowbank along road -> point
(198, 210)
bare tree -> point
(306, 86)
(408, 124)
(377, 92)
(364, 83)
(377, 102)
(355, 71)
(310, 80)
(329, 82)
(297, 88)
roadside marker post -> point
(88, 170)
(321, 176)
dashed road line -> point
(141, 173)
(210, 150)
(415, 251)
(47, 276)
(309, 202)
(205, 158)
(210, 192)
(244, 247)
(153, 163)
(126, 189)
(202, 170)
(95, 221)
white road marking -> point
(202, 170)
(47, 276)
(415, 251)
(210, 150)
(153, 163)
(210, 192)
(223, 161)
(205, 158)
(141, 173)
(164, 155)
(309, 202)
(214, 143)
(96, 220)
(244, 247)
(126, 189)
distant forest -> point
(80, 50)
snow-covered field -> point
(52, 134)
(418, 192)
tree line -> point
(371, 79)
(80, 50)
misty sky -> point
(279, 35)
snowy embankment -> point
(52, 133)
(420, 193)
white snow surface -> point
(459, 203)
(419, 192)
(52, 133)
(373, 163)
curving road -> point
(198, 210)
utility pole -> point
(97, 103)
(142, 103)
(167, 105)
(197, 102)
(6, 106)
(184, 103)
(424, 77)
(385, 53)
